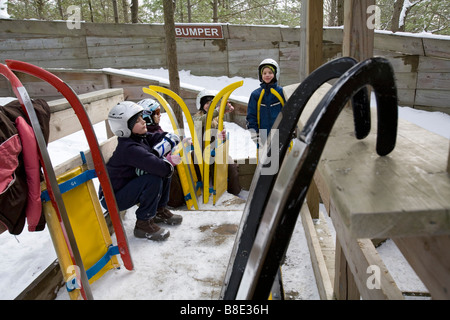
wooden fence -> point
(422, 64)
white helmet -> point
(149, 106)
(120, 115)
(272, 63)
(202, 94)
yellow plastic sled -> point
(221, 148)
(186, 171)
(89, 227)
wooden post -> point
(311, 57)
(344, 283)
(448, 161)
(430, 259)
(358, 37)
(357, 43)
(311, 37)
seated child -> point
(140, 151)
(152, 117)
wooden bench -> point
(404, 196)
(63, 122)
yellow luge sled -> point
(89, 227)
(186, 171)
(221, 149)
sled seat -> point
(88, 224)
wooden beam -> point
(313, 200)
(344, 283)
(311, 36)
(45, 286)
(430, 259)
(63, 120)
(311, 57)
(360, 254)
(358, 38)
(448, 161)
(324, 284)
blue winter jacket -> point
(270, 107)
(135, 152)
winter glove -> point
(173, 159)
(169, 141)
(254, 136)
(223, 135)
(140, 172)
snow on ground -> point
(192, 262)
(189, 265)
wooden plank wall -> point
(422, 64)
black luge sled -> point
(262, 185)
(296, 172)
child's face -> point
(140, 126)
(157, 116)
(267, 75)
(207, 105)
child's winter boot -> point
(164, 215)
(150, 230)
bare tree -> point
(60, 9)
(395, 22)
(134, 11)
(401, 11)
(91, 11)
(215, 11)
(340, 12)
(189, 11)
(125, 11)
(171, 51)
(116, 12)
(40, 8)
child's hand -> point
(173, 159)
(187, 141)
(223, 135)
(229, 108)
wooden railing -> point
(421, 64)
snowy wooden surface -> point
(403, 196)
(404, 193)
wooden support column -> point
(311, 57)
(311, 37)
(448, 161)
(430, 259)
(358, 38)
(344, 283)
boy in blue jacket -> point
(263, 105)
(140, 170)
